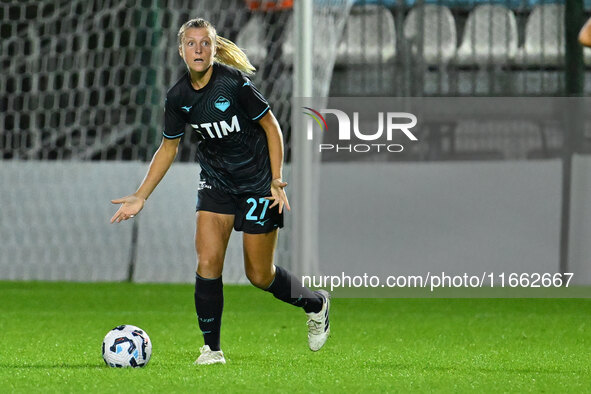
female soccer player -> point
(240, 151)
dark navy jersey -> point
(232, 146)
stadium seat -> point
(439, 33)
(490, 37)
(326, 24)
(252, 38)
(544, 37)
(369, 37)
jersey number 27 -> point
(254, 204)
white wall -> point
(379, 218)
(54, 220)
(411, 218)
(580, 229)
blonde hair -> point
(227, 52)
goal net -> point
(81, 98)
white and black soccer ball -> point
(127, 346)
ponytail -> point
(227, 52)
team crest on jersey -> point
(222, 103)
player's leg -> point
(211, 240)
(259, 250)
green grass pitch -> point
(51, 335)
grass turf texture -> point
(51, 335)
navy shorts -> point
(252, 214)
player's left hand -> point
(278, 195)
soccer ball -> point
(127, 346)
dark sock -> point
(284, 283)
(209, 303)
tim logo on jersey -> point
(219, 129)
(397, 124)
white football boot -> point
(318, 323)
(209, 356)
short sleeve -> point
(252, 101)
(174, 124)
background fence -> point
(85, 80)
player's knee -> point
(209, 268)
(260, 279)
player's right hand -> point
(130, 206)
